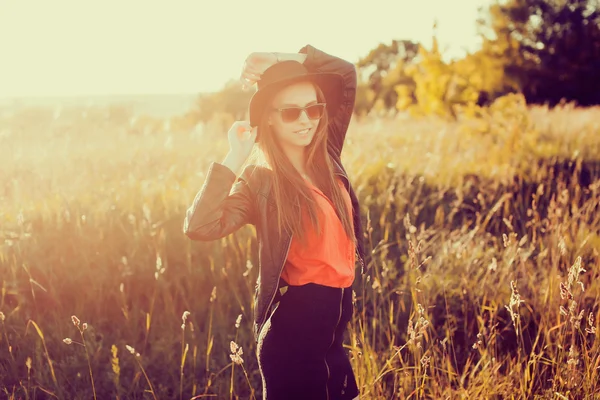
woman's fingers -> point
(250, 134)
(251, 68)
(243, 129)
(248, 79)
(250, 76)
(246, 84)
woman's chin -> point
(302, 140)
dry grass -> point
(483, 235)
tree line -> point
(547, 50)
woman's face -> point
(298, 133)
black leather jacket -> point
(226, 202)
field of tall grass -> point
(484, 255)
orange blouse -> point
(329, 259)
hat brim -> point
(330, 83)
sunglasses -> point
(291, 114)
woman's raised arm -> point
(319, 61)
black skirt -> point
(300, 351)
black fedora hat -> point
(286, 72)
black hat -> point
(286, 72)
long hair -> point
(293, 198)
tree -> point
(385, 66)
(551, 48)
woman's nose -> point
(303, 116)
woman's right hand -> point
(241, 138)
(254, 66)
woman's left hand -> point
(254, 66)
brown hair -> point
(293, 197)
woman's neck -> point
(297, 158)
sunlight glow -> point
(65, 47)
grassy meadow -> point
(484, 253)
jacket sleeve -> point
(222, 206)
(319, 61)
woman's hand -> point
(254, 66)
(241, 138)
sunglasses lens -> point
(315, 111)
(290, 114)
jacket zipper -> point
(278, 277)
(333, 340)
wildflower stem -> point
(232, 371)
(89, 363)
(6, 337)
(209, 340)
(248, 380)
(181, 365)
(41, 335)
(146, 376)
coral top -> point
(329, 259)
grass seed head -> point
(574, 273)
(184, 318)
(132, 350)
(591, 329)
(236, 353)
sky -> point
(108, 47)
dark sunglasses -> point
(290, 114)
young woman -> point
(306, 215)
